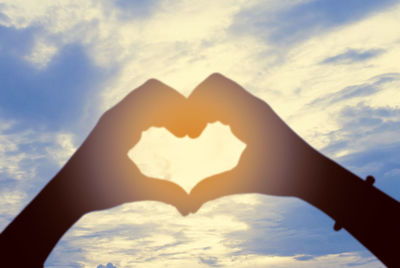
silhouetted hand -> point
(102, 172)
(98, 176)
(275, 161)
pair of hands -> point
(276, 161)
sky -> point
(329, 68)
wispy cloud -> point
(28, 159)
(152, 235)
(108, 265)
(368, 143)
(136, 10)
(365, 128)
(369, 88)
(289, 22)
(352, 56)
(209, 260)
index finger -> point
(151, 104)
(220, 99)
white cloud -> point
(151, 235)
(10, 154)
(300, 78)
(109, 265)
(63, 148)
(11, 202)
(288, 79)
(394, 172)
(19, 146)
(41, 54)
(26, 156)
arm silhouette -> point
(98, 176)
(278, 162)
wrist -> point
(343, 196)
(81, 176)
(72, 193)
(356, 205)
(327, 185)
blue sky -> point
(328, 68)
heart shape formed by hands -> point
(262, 168)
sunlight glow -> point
(186, 161)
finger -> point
(226, 183)
(223, 184)
(246, 177)
(166, 192)
(163, 106)
(155, 103)
(219, 98)
(132, 185)
(151, 104)
(196, 128)
(122, 182)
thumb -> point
(164, 191)
(223, 184)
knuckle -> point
(150, 85)
(152, 82)
(155, 86)
(217, 75)
(106, 116)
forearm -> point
(368, 214)
(31, 236)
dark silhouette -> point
(276, 161)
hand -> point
(103, 175)
(275, 161)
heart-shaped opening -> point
(186, 161)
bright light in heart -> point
(186, 161)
